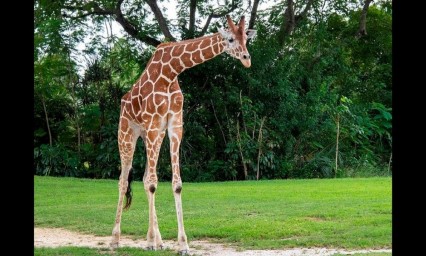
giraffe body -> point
(154, 105)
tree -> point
(140, 29)
(316, 103)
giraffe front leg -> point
(182, 238)
(153, 144)
(153, 237)
(175, 136)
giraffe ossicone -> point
(154, 105)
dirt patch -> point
(315, 219)
(56, 237)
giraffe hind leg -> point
(122, 189)
(127, 137)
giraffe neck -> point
(171, 59)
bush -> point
(56, 160)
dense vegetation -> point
(315, 103)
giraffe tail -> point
(129, 191)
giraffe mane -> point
(186, 41)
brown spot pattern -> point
(155, 103)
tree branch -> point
(304, 13)
(218, 15)
(93, 8)
(160, 19)
(209, 19)
(131, 29)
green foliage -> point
(277, 119)
(56, 160)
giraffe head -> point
(235, 38)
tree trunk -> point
(337, 143)
(77, 117)
(389, 163)
(259, 142)
(242, 112)
(241, 151)
(253, 14)
(288, 24)
(291, 20)
(252, 17)
(362, 31)
(217, 120)
(192, 9)
(47, 120)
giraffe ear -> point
(250, 33)
(225, 34)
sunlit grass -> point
(126, 251)
(122, 251)
(342, 213)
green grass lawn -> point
(126, 251)
(348, 213)
(122, 251)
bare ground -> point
(56, 237)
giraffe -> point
(154, 105)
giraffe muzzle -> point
(246, 61)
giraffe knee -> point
(177, 184)
(150, 187)
(150, 183)
(178, 188)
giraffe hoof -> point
(150, 248)
(113, 245)
(184, 252)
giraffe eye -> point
(231, 40)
